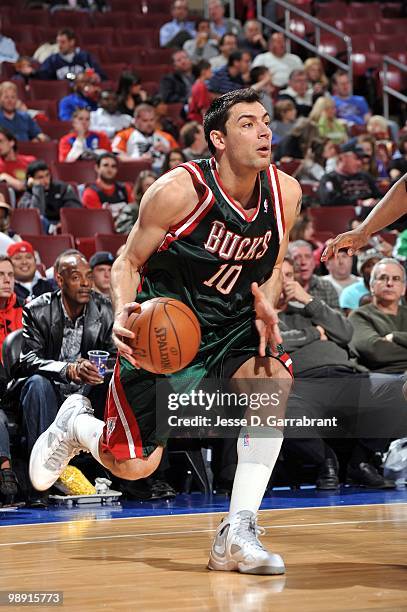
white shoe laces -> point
(248, 530)
(61, 455)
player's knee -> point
(134, 469)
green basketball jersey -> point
(209, 259)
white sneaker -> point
(57, 445)
(236, 548)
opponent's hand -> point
(352, 241)
(266, 322)
(294, 291)
(120, 331)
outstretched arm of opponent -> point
(159, 211)
(392, 206)
(266, 296)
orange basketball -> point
(167, 335)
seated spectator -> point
(296, 144)
(353, 109)
(13, 166)
(227, 45)
(229, 77)
(317, 79)
(314, 164)
(219, 24)
(323, 113)
(317, 338)
(195, 145)
(299, 92)
(130, 93)
(29, 283)
(101, 266)
(340, 272)
(174, 33)
(278, 61)
(25, 69)
(348, 185)
(202, 47)
(82, 143)
(107, 192)
(86, 95)
(372, 164)
(200, 99)
(285, 115)
(378, 127)
(59, 330)
(398, 165)
(172, 159)
(164, 124)
(380, 328)
(176, 86)
(261, 81)
(143, 141)
(8, 51)
(19, 123)
(70, 59)
(45, 50)
(304, 265)
(7, 235)
(128, 216)
(11, 310)
(350, 297)
(47, 195)
(107, 118)
(253, 40)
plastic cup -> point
(99, 358)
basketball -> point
(167, 335)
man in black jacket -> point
(58, 331)
(48, 195)
(176, 86)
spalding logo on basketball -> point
(167, 335)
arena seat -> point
(79, 172)
(48, 151)
(109, 242)
(54, 128)
(69, 19)
(128, 171)
(86, 246)
(101, 36)
(83, 222)
(331, 218)
(49, 247)
(26, 220)
(48, 90)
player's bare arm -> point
(266, 297)
(390, 208)
(165, 203)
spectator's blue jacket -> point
(56, 66)
(68, 104)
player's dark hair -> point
(218, 112)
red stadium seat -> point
(86, 246)
(20, 33)
(101, 36)
(83, 222)
(55, 129)
(109, 242)
(37, 18)
(290, 167)
(363, 43)
(127, 55)
(331, 10)
(151, 73)
(49, 90)
(362, 61)
(114, 71)
(46, 107)
(147, 38)
(128, 171)
(79, 172)
(48, 151)
(49, 247)
(26, 221)
(359, 10)
(331, 218)
(69, 19)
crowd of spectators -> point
(323, 133)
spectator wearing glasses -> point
(380, 336)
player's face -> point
(247, 142)
(75, 280)
(304, 263)
(24, 266)
(389, 284)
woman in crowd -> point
(130, 93)
(316, 76)
(323, 113)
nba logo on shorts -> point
(110, 425)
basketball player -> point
(212, 234)
(392, 206)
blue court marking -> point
(196, 503)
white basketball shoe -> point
(237, 548)
(58, 444)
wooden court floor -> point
(338, 558)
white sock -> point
(256, 460)
(88, 431)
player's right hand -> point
(352, 241)
(120, 332)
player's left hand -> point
(266, 322)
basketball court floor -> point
(343, 551)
